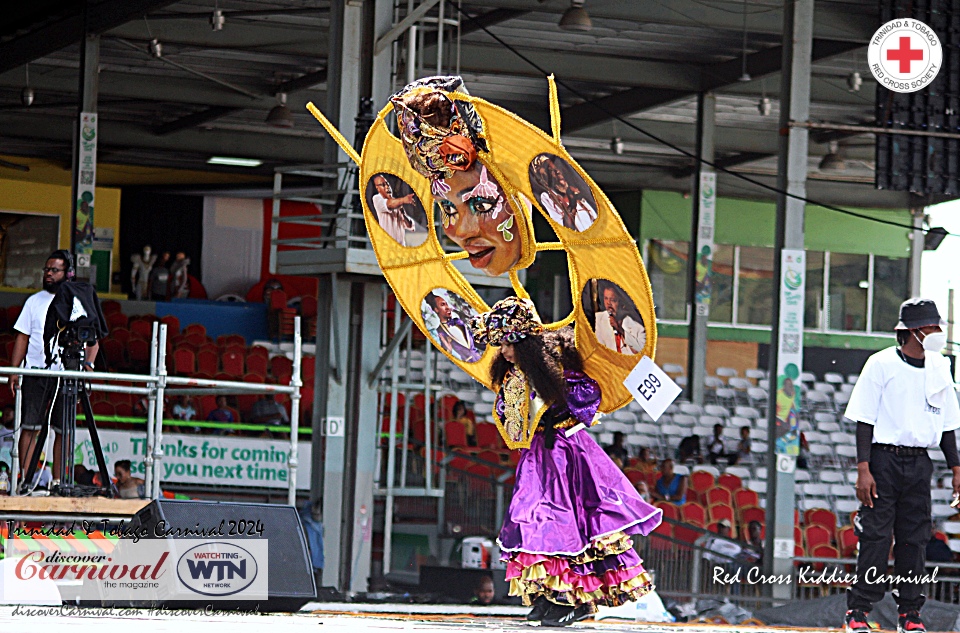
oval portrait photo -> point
(445, 315)
(562, 192)
(614, 317)
(397, 209)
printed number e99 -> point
(648, 386)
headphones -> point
(67, 257)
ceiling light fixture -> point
(833, 161)
(744, 75)
(232, 161)
(155, 48)
(27, 94)
(575, 18)
(217, 20)
(854, 81)
(280, 115)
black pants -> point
(902, 508)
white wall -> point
(232, 245)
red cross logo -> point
(905, 55)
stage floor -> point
(69, 620)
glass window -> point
(848, 292)
(890, 277)
(721, 284)
(813, 299)
(667, 267)
(755, 299)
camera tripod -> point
(73, 392)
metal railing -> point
(155, 388)
(690, 570)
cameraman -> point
(38, 391)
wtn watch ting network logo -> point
(217, 569)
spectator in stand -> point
(617, 450)
(804, 451)
(469, 427)
(184, 410)
(647, 461)
(721, 549)
(717, 449)
(268, 411)
(689, 449)
(671, 486)
(937, 550)
(754, 535)
(221, 414)
(744, 455)
(130, 487)
(644, 490)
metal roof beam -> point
(193, 120)
(69, 29)
(484, 20)
(713, 77)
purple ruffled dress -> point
(566, 534)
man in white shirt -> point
(615, 328)
(390, 214)
(39, 391)
(903, 404)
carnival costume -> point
(479, 173)
(566, 534)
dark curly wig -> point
(542, 359)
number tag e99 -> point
(651, 387)
(648, 386)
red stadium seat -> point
(701, 480)
(455, 434)
(745, 498)
(815, 535)
(232, 364)
(488, 436)
(693, 513)
(730, 482)
(184, 362)
(720, 511)
(719, 495)
(207, 361)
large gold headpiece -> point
(483, 170)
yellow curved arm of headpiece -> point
(334, 133)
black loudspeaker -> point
(290, 573)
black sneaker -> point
(540, 607)
(565, 616)
(910, 622)
(856, 622)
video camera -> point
(74, 322)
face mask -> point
(935, 341)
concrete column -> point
(701, 235)
(791, 178)
(89, 89)
(334, 443)
(916, 250)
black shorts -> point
(37, 393)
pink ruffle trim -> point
(560, 569)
